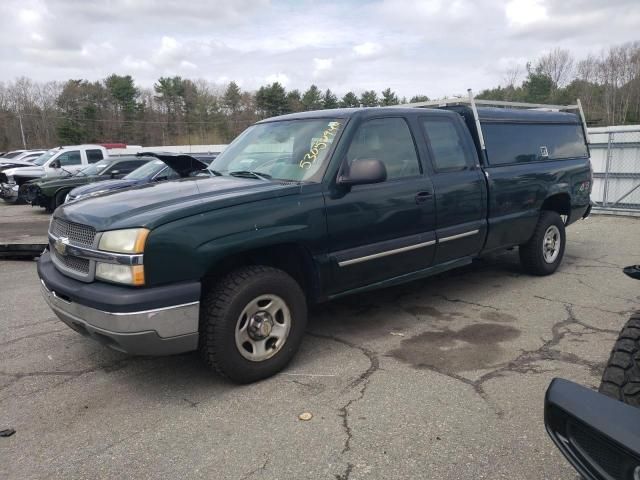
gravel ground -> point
(440, 378)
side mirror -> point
(362, 172)
(115, 173)
(55, 164)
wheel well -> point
(560, 203)
(291, 258)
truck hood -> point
(154, 204)
(8, 163)
(32, 171)
(67, 181)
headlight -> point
(127, 274)
(130, 240)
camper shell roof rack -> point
(471, 102)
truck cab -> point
(306, 208)
(54, 162)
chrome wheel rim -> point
(263, 327)
(551, 244)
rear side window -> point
(449, 152)
(70, 158)
(127, 166)
(94, 156)
(388, 140)
(527, 142)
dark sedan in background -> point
(50, 192)
(162, 167)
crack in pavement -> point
(591, 287)
(362, 379)
(573, 304)
(525, 362)
(72, 374)
(346, 474)
(466, 302)
(32, 335)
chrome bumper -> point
(162, 331)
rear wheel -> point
(621, 377)
(543, 253)
(251, 323)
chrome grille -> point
(75, 232)
(79, 265)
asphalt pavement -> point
(440, 378)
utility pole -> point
(24, 142)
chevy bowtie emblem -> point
(61, 245)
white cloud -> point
(320, 64)
(525, 12)
(366, 49)
(281, 78)
(407, 45)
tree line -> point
(180, 111)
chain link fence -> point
(615, 156)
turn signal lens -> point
(126, 274)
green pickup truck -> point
(305, 208)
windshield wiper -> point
(251, 173)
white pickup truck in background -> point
(54, 162)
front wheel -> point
(543, 253)
(251, 323)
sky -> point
(431, 47)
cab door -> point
(70, 162)
(383, 230)
(460, 188)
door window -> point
(388, 140)
(70, 158)
(449, 152)
(127, 166)
(94, 156)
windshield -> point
(294, 150)
(93, 169)
(42, 159)
(147, 170)
(11, 154)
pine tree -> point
(350, 100)
(312, 99)
(329, 100)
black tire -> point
(59, 199)
(221, 307)
(532, 257)
(621, 377)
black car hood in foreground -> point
(154, 204)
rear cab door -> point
(459, 184)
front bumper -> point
(9, 191)
(145, 321)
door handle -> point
(422, 197)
